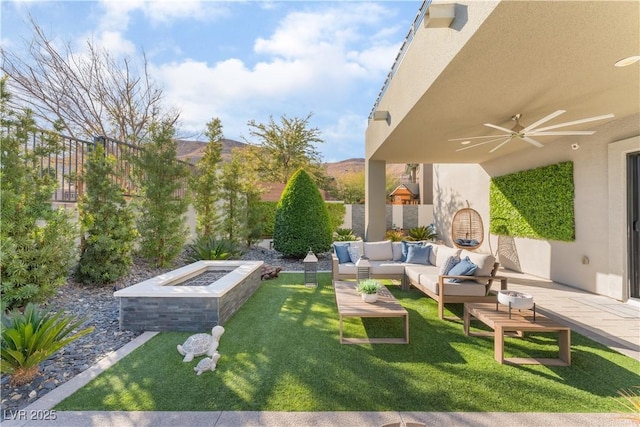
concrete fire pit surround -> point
(157, 304)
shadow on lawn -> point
(281, 352)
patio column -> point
(375, 200)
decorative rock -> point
(32, 394)
(101, 310)
(207, 364)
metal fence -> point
(68, 163)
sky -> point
(242, 60)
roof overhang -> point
(503, 58)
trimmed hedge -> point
(302, 219)
(536, 203)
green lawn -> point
(280, 352)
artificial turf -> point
(280, 352)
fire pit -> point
(195, 297)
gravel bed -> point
(100, 308)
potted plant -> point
(368, 289)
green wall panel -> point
(536, 203)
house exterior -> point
(471, 63)
(405, 194)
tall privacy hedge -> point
(302, 219)
(536, 203)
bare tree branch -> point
(87, 93)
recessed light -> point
(627, 61)
(465, 142)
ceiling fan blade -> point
(509, 131)
(577, 122)
(560, 132)
(532, 141)
(481, 143)
(543, 120)
(499, 145)
(475, 137)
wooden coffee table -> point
(496, 316)
(350, 304)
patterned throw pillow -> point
(464, 268)
(354, 253)
(448, 264)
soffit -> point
(527, 57)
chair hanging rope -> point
(467, 231)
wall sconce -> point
(440, 15)
(381, 115)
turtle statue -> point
(207, 364)
(200, 344)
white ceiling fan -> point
(526, 133)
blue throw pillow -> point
(418, 254)
(405, 248)
(448, 264)
(464, 268)
(342, 252)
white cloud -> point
(115, 43)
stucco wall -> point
(595, 260)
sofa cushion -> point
(396, 248)
(342, 251)
(347, 268)
(465, 288)
(484, 262)
(464, 268)
(449, 263)
(386, 267)
(418, 254)
(354, 253)
(445, 252)
(415, 271)
(378, 251)
(432, 255)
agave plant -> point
(209, 248)
(30, 337)
(344, 235)
(422, 232)
(394, 235)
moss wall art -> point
(535, 203)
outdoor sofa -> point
(423, 265)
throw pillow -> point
(354, 253)
(464, 268)
(342, 252)
(418, 254)
(397, 250)
(405, 248)
(448, 264)
(378, 251)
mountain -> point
(192, 151)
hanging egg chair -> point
(467, 231)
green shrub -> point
(107, 223)
(209, 248)
(268, 218)
(336, 214)
(37, 249)
(302, 221)
(344, 235)
(422, 232)
(162, 213)
(31, 337)
(535, 203)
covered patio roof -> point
(505, 58)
